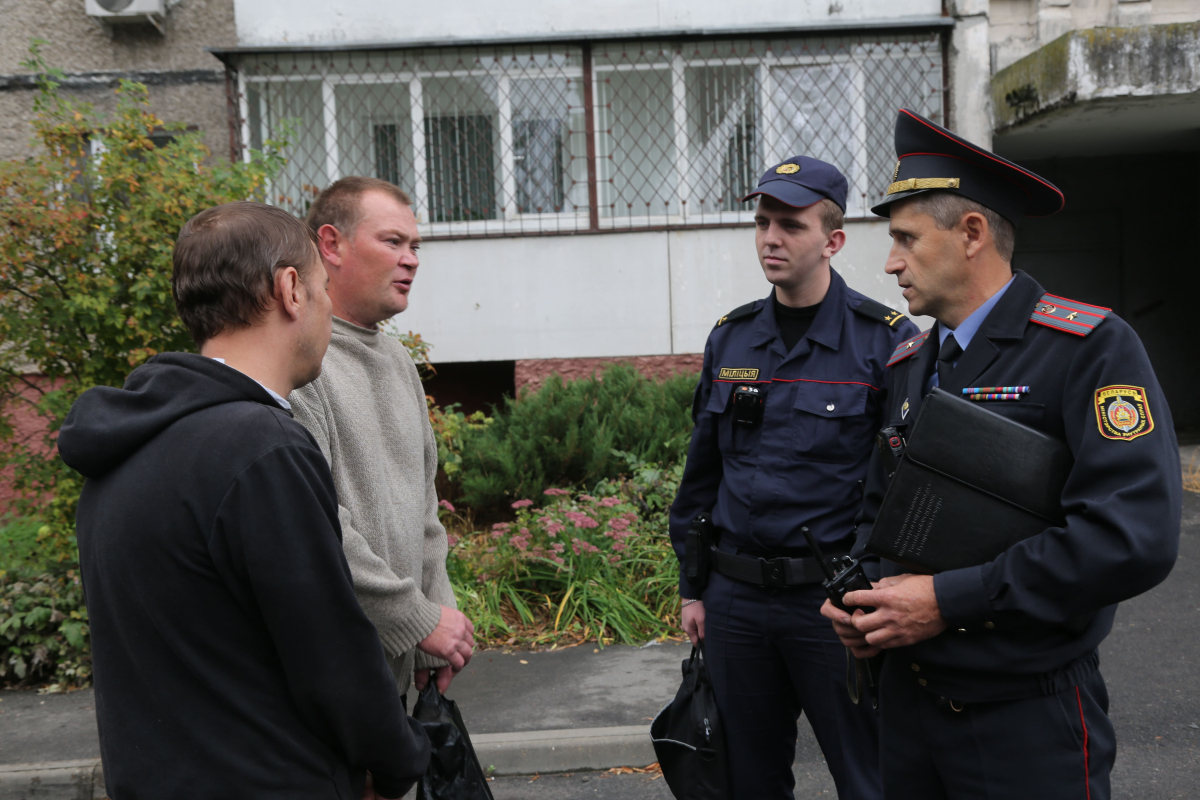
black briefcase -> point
(971, 484)
(689, 739)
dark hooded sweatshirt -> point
(231, 658)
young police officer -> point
(991, 685)
(787, 407)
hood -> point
(107, 425)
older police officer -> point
(991, 685)
(787, 406)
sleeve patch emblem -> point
(729, 373)
(1123, 413)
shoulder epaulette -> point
(739, 312)
(876, 310)
(908, 348)
(1071, 316)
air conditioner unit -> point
(125, 12)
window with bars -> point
(608, 135)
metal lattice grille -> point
(545, 139)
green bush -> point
(587, 566)
(43, 631)
(574, 434)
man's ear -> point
(330, 242)
(835, 242)
(976, 231)
(290, 293)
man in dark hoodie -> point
(231, 657)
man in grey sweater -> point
(367, 412)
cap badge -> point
(787, 169)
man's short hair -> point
(340, 204)
(832, 217)
(947, 208)
(225, 263)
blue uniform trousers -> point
(1055, 747)
(771, 656)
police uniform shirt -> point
(1029, 622)
(802, 465)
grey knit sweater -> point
(367, 412)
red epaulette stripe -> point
(1060, 327)
(1065, 322)
(1079, 303)
(907, 348)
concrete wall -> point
(1021, 26)
(187, 84)
(616, 294)
(308, 22)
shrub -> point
(583, 566)
(43, 631)
(573, 434)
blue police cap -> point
(801, 181)
(930, 158)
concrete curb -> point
(53, 780)
(522, 753)
(529, 752)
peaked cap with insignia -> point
(932, 158)
(801, 181)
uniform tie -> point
(946, 357)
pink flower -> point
(522, 504)
(446, 505)
(555, 528)
(451, 540)
(519, 542)
(497, 534)
(580, 547)
(501, 526)
(545, 520)
(558, 560)
(558, 547)
(618, 524)
(556, 492)
(609, 502)
(619, 547)
(614, 559)
(587, 497)
(524, 531)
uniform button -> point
(989, 624)
(922, 681)
(962, 630)
(916, 667)
(829, 407)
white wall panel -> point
(326, 22)
(607, 294)
(542, 297)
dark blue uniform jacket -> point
(802, 465)
(1029, 622)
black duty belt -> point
(771, 573)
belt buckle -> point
(774, 572)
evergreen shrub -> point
(574, 434)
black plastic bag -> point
(689, 739)
(454, 772)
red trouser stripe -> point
(1087, 773)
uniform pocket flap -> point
(832, 399)
(718, 401)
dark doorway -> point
(1128, 240)
(474, 385)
